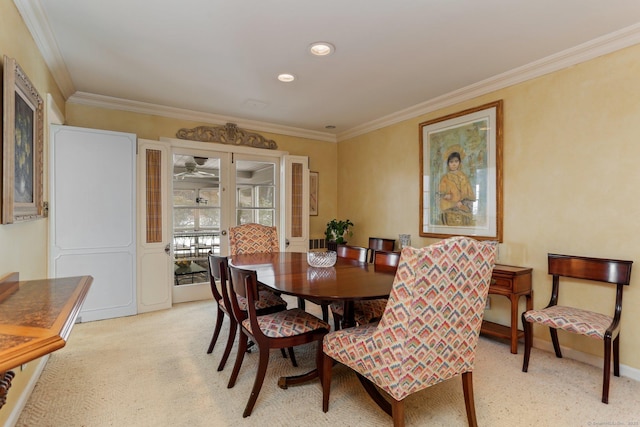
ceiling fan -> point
(192, 171)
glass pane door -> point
(256, 192)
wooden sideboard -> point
(511, 282)
(36, 317)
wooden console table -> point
(36, 317)
(511, 282)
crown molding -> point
(113, 103)
(612, 42)
(36, 21)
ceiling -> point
(220, 58)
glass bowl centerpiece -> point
(322, 259)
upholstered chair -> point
(253, 238)
(429, 330)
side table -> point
(511, 282)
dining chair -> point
(253, 238)
(380, 244)
(268, 302)
(590, 271)
(284, 329)
(429, 330)
(386, 260)
(365, 311)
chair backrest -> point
(386, 260)
(215, 274)
(601, 270)
(245, 283)
(430, 327)
(253, 238)
(380, 244)
(357, 253)
(219, 270)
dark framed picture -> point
(22, 135)
(461, 174)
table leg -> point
(348, 318)
(514, 323)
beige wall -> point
(23, 246)
(571, 152)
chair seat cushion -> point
(364, 311)
(267, 299)
(571, 319)
(288, 323)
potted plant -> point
(336, 232)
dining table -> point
(347, 281)
(289, 273)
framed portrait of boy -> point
(461, 174)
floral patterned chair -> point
(253, 238)
(429, 330)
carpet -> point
(152, 370)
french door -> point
(207, 191)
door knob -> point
(167, 249)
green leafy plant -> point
(336, 230)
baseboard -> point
(26, 393)
(589, 359)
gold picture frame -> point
(313, 193)
(461, 174)
(22, 140)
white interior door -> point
(93, 216)
(155, 264)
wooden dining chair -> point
(268, 302)
(429, 331)
(386, 260)
(579, 320)
(380, 244)
(217, 268)
(284, 329)
(365, 311)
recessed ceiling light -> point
(286, 77)
(321, 48)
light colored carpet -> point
(153, 370)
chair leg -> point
(327, 364)
(606, 370)
(467, 388)
(325, 311)
(292, 355)
(616, 356)
(233, 328)
(301, 303)
(528, 341)
(242, 348)
(257, 385)
(216, 331)
(556, 344)
(337, 319)
(397, 408)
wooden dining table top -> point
(289, 273)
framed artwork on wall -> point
(22, 134)
(461, 174)
(313, 193)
